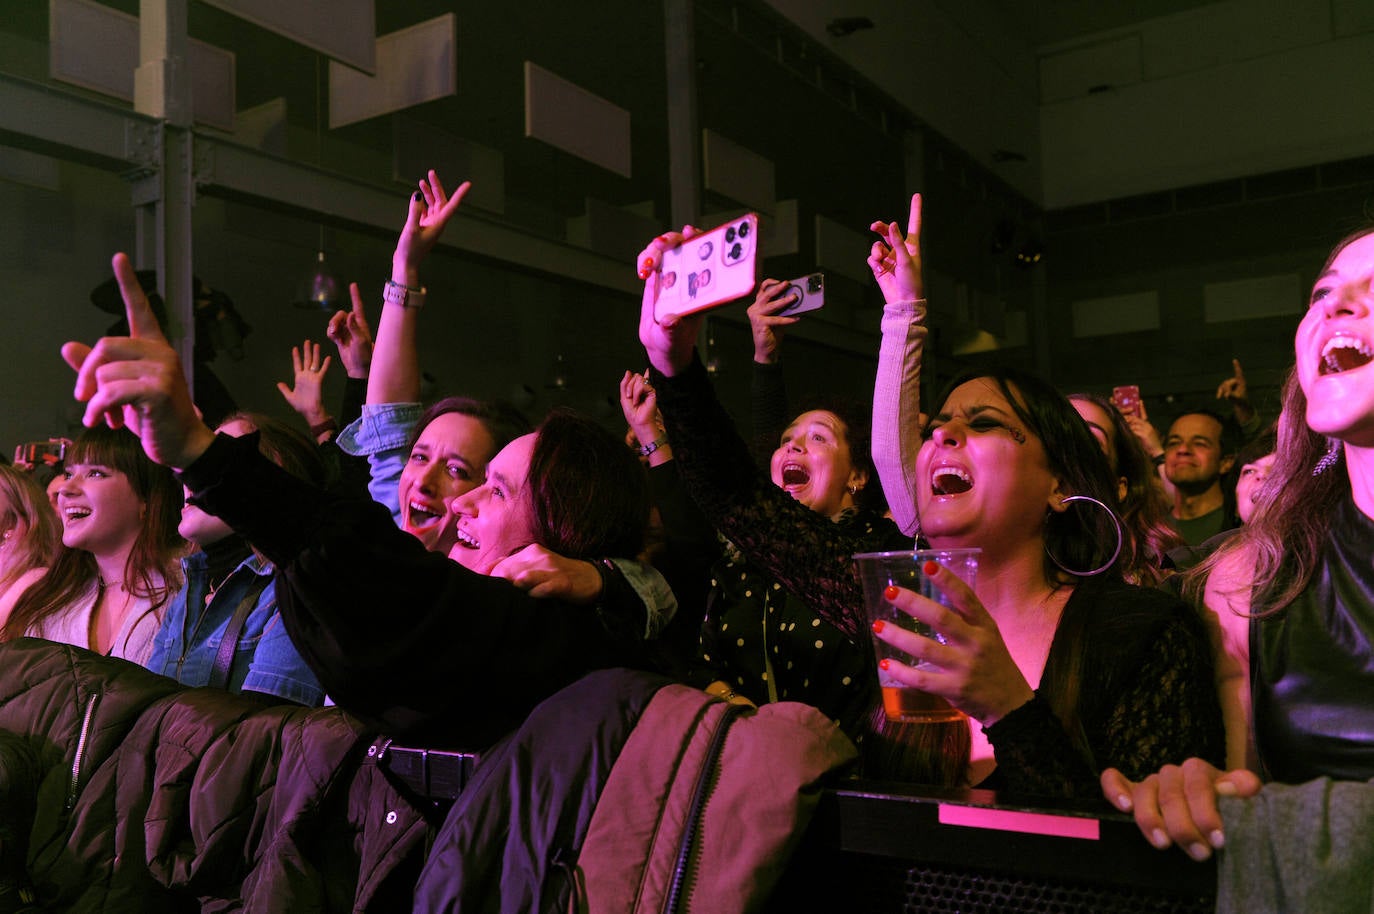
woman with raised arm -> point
(1064, 668)
(1293, 590)
(107, 587)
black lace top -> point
(785, 598)
(1145, 696)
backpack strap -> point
(229, 644)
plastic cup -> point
(878, 571)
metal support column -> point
(684, 138)
(164, 194)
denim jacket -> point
(381, 434)
(266, 661)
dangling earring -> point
(854, 490)
(1111, 560)
(1333, 454)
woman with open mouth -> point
(790, 532)
(118, 566)
(1293, 592)
(1062, 666)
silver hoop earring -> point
(1120, 541)
(1333, 454)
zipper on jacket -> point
(80, 756)
(683, 872)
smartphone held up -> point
(1127, 399)
(710, 269)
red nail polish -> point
(890, 592)
(879, 625)
(930, 568)
(884, 664)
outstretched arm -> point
(897, 422)
(395, 370)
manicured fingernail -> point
(884, 664)
(416, 198)
(930, 568)
(1123, 802)
(1217, 839)
(663, 237)
(1226, 789)
(643, 273)
(1199, 852)
(1159, 839)
(890, 592)
(879, 625)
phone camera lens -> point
(729, 235)
(813, 283)
(744, 230)
(737, 251)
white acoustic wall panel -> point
(419, 147)
(95, 47)
(341, 29)
(1116, 314)
(843, 250)
(738, 173)
(263, 127)
(416, 64)
(1245, 299)
(565, 115)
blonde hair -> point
(30, 527)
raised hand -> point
(352, 335)
(307, 396)
(1178, 805)
(896, 260)
(1233, 388)
(430, 209)
(976, 672)
(137, 381)
(765, 323)
(669, 343)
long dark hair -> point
(588, 494)
(1081, 538)
(1145, 509)
(152, 571)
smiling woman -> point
(109, 583)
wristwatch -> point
(393, 293)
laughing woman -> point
(108, 586)
(1063, 668)
(1294, 590)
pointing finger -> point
(142, 323)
